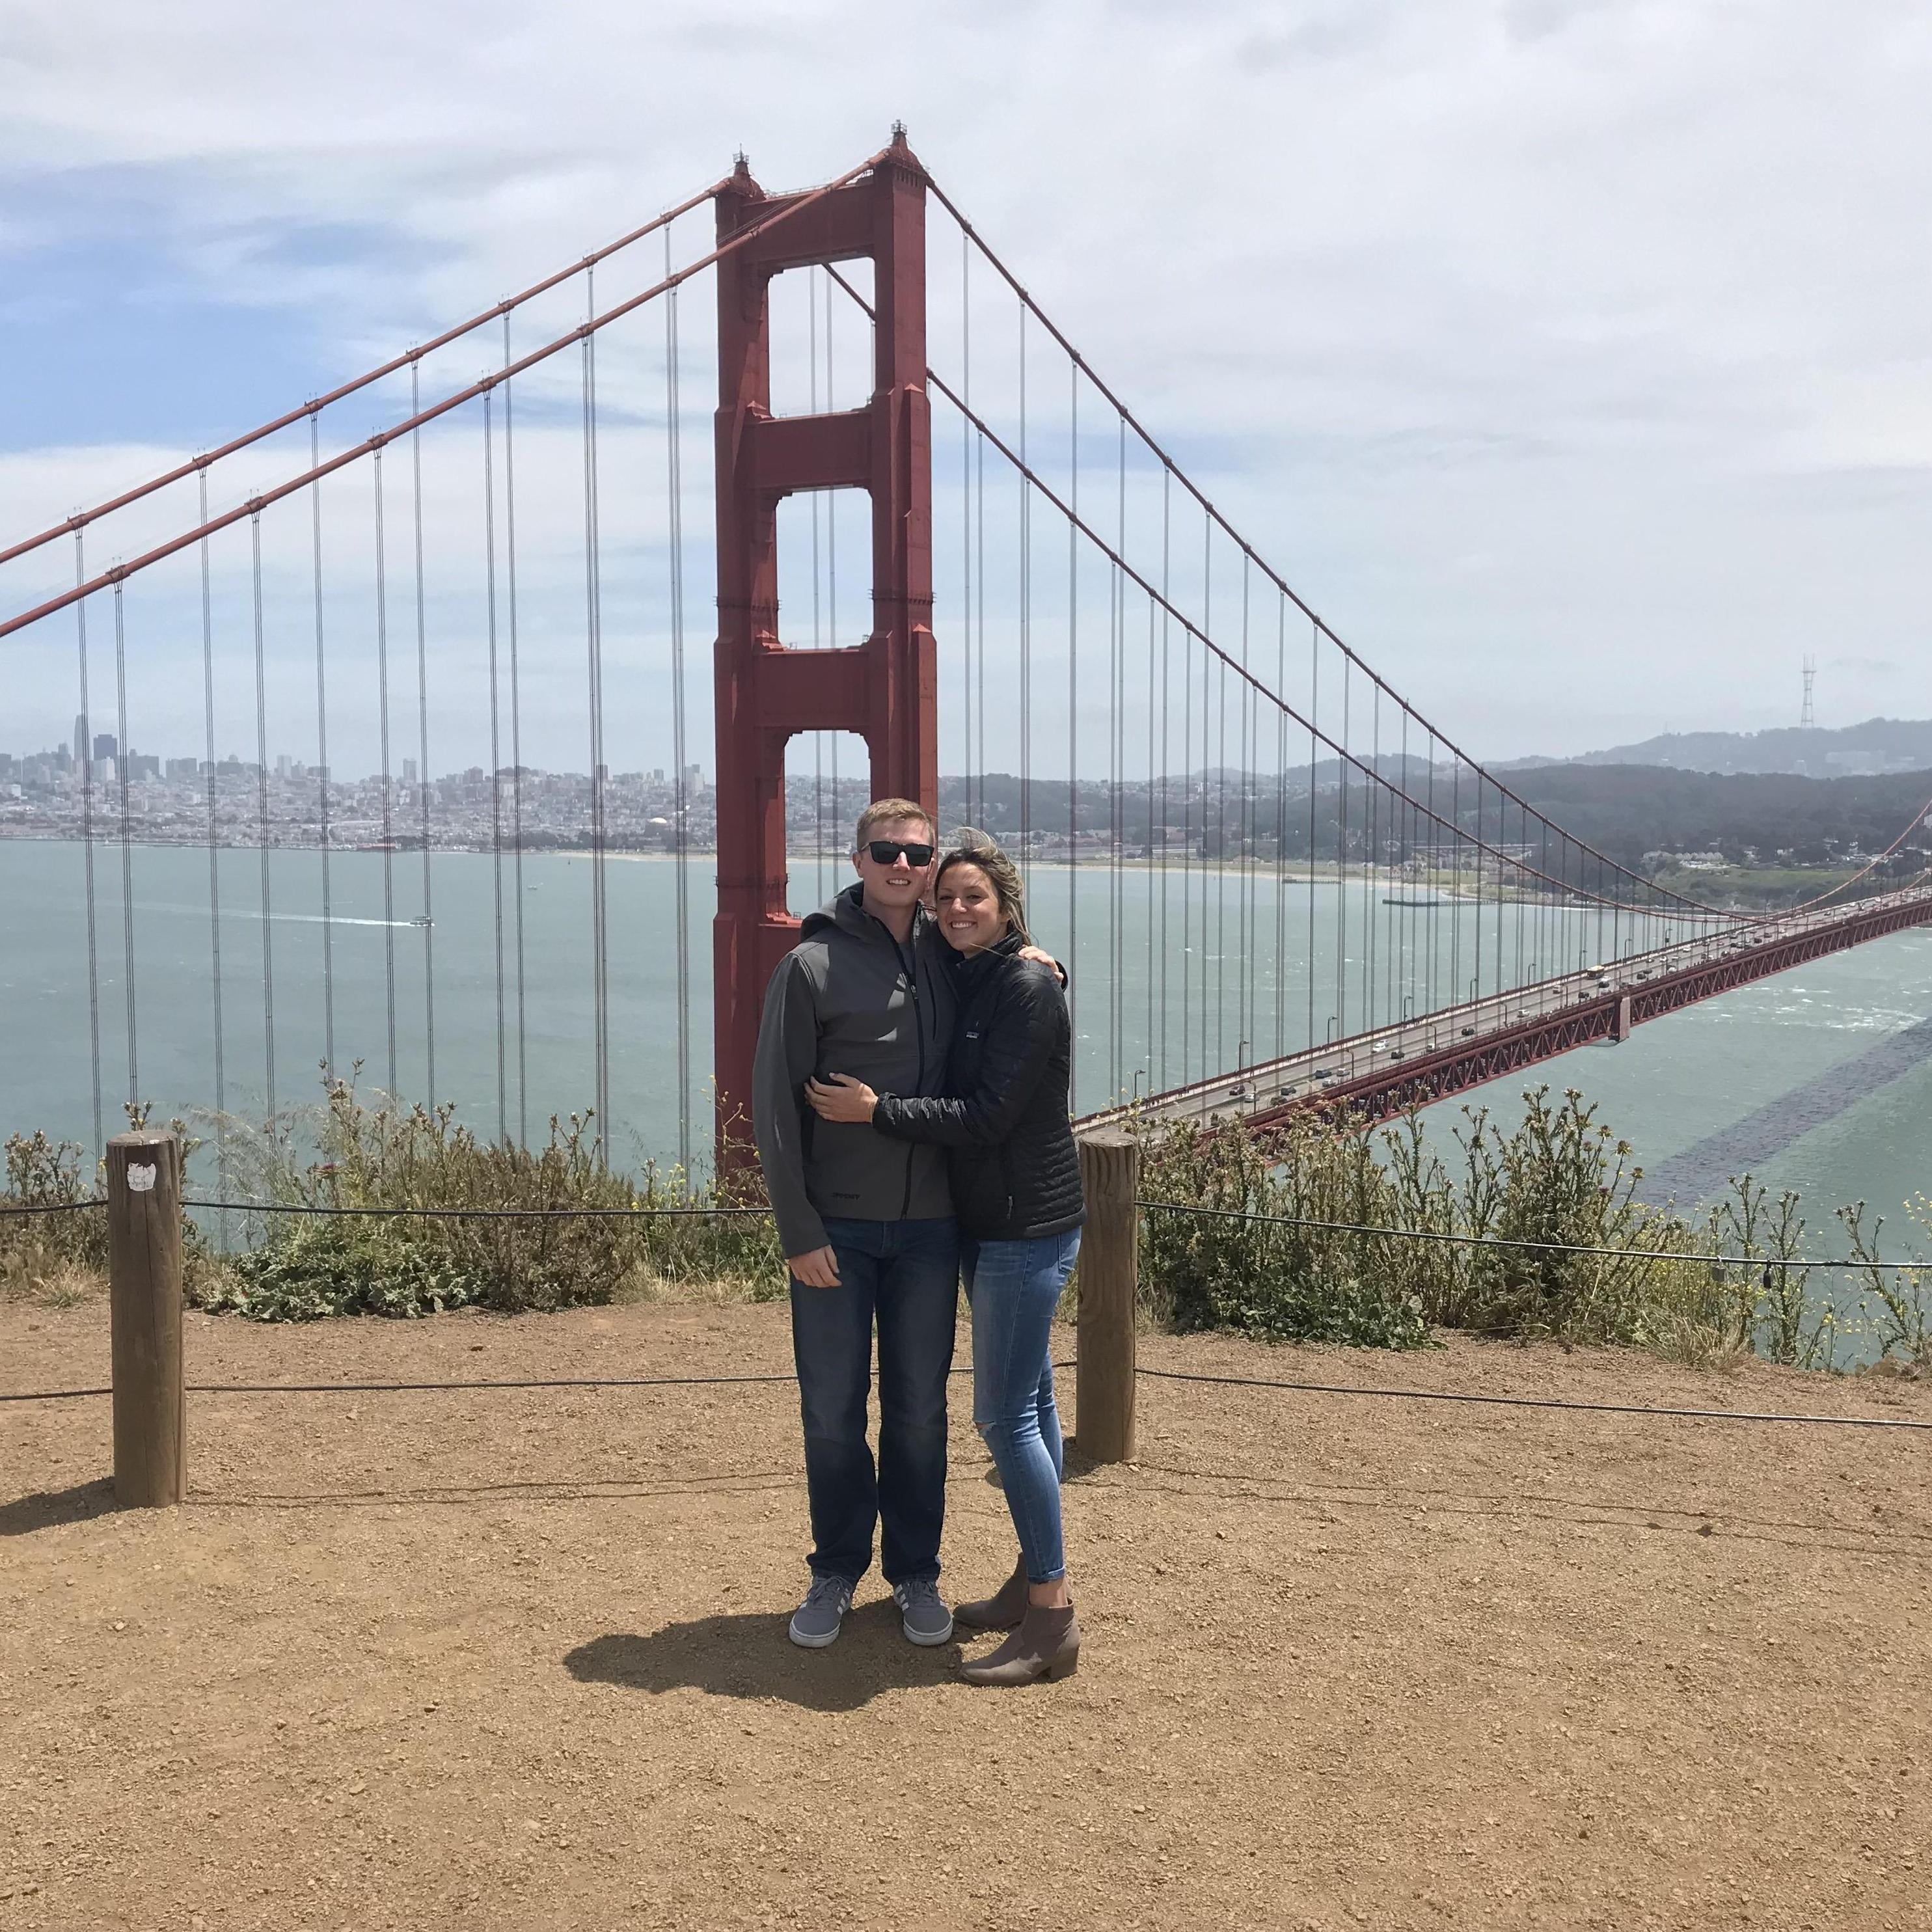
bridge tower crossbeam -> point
(886, 690)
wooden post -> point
(1108, 1280)
(144, 1235)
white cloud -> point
(1546, 345)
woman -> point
(1015, 1179)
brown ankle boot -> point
(1002, 1610)
(1047, 1644)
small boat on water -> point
(422, 919)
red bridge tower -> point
(886, 690)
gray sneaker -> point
(815, 1623)
(923, 1616)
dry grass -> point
(32, 1275)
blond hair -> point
(883, 812)
(971, 847)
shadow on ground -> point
(46, 1508)
(751, 1656)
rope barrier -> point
(1542, 1401)
(1513, 1241)
(419, 1388)
(471, 1213)
(430, 1388)
(536, 1382)
(1377, 1392)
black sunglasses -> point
(884, 851)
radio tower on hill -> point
(1808, 721)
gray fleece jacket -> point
(848, 998)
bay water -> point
(1818, 1079)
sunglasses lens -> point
(884, 852)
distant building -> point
(105, 746)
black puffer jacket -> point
(1015, 1171)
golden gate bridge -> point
(1279, 883)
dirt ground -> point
(517, 1659)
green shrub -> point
(321, 1268)
(1894, 1306)
(1262, 1277)
(401, 1262)
(1614, 1270)
(60, 1257)
(1314, 1237)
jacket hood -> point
(847, 912)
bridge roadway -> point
(1414, 1062)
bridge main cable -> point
(315, 404)
(118, 573)
(1691, 906)
(1261, 562)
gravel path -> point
(516, 1659)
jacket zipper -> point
(908, 961)
(918, 1034)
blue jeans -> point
(1014, 1287)
(904, 1275)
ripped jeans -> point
(1014, 1288)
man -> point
(866, 1225)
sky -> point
(1570, 358)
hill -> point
(1879, 745)
(1636, 812)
